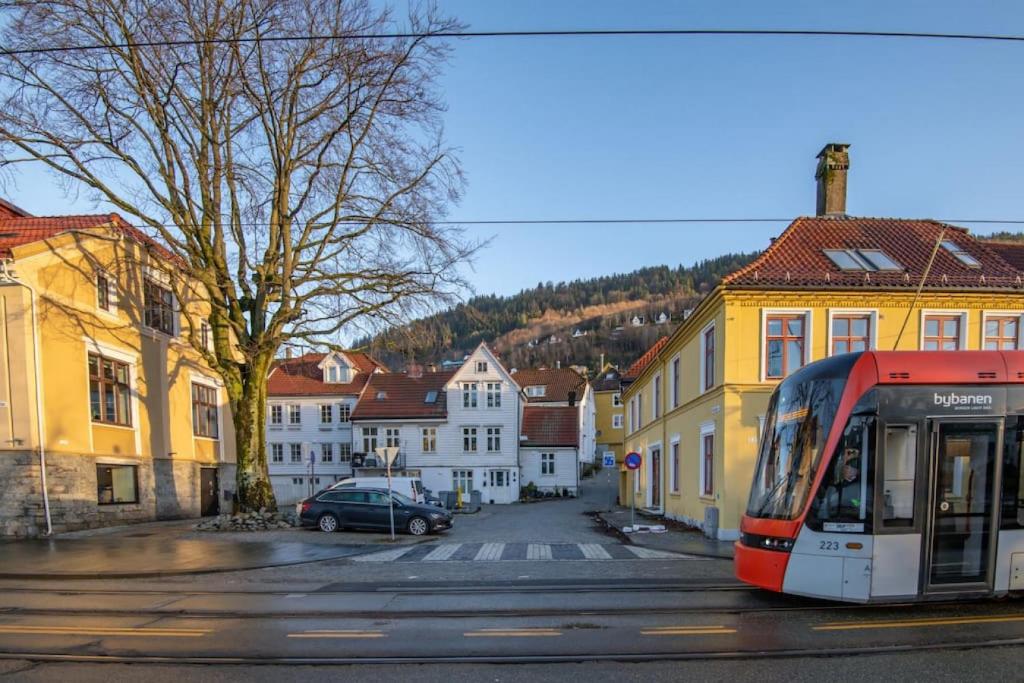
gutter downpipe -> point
(8, 279)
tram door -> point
(961, 537)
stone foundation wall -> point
(177, 489)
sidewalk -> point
(672, 540)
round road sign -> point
(632, 461)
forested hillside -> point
(536, 327)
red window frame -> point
(850, 338)
(941, 338)
(708, 448)
(1001, 340)
(785, 338)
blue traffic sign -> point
(633, 461)
(608, 460)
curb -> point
(628, 540)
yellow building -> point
(108, 413)
(610, 415)
(829, 284)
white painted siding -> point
(587, 426)
(565, 468)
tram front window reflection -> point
(797, 425)
(845, 493)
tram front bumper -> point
(758, 567)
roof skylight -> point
(431, 397)
(961, 255)
(863, 259)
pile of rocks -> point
(261, 520)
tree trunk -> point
(249, 407)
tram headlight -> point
(782, 545)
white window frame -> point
(675, 463)
(212, 384)
(985, 315)
(675, 389)
(656, 398)
(330, 413)
(392, 437)
(112, 298)
(428, 442)
(291, 453)
(808, 315)
(547, 458)
(294, 409)
(872, 314)
(270, 415)
(344, 452)
(710, 327)
(706, 428)
(326, 446)
(370, 435)
(493, 437)
(963, 315)
(617, 399)
(481, 367)
(470, 435)
(470, 395)
(344, 413)
(492, 393)
(617, 421)
(273, 460)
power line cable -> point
(576, 33)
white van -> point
(407, 486)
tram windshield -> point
(799, 418)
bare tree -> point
(297, 181)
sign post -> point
(388, 454)
(633, 461)
(608, 464)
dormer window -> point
(870, 260)
(481, 366)
(961, 255)
(332, 373)
(536, 391)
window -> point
(941, 333)
(899, 472)
(462, 480)
(277, 452)
(707, 465)
(326, 414)
(431, 397)
(481, 366)
(109, 391)
(536, 391)
(117, 484)
(104, 293)
(851, 333)
(344, 412)
(469, 439)
(204, 411)
(493, 394)
(326, 452)
(205, 339)
(294, 415)
(843, 502)
(296, 452)
(430, 439)
(862, 259)
(369, 439)
(961, 255)
(276, 415)
(784, 345)
(547, 464)
(674, 379)
(674, 464)
(656, 398)
(616, 400)
(708, 358)
(391, 439)
(344, 452)
(493, 439)
(639, 411)
(159, 307)
(617, 421)
(469, 398)
(1002, 333)
(332, 373)
(1013, 474)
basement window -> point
(870, 260)
(961, 255)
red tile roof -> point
(16, 230)
(550, 426)
(301, 377)
(634, 370)
(1011, 252)
(404, 397)
(558, 382)
(796, 259)
(609, 380)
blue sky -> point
(687, 127)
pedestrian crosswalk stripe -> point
(489, 551)
(442, 552)
(517, 552)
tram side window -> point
(1013, 474)
(900, 475)
(845, 493)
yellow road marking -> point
(916, 623)
(103, 631)
(512, 633)
(339, 633)
(687, 631)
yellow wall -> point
(609, 438)
(740, 393)
(71, 325)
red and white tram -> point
(891, 476)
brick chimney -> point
(414, 369)
(833, 163)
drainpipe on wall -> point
(7, 278)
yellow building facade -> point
(108, 411)
(696, 410)
(610, 417)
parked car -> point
(411, 487)
(367, 508)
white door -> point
(499, 487)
